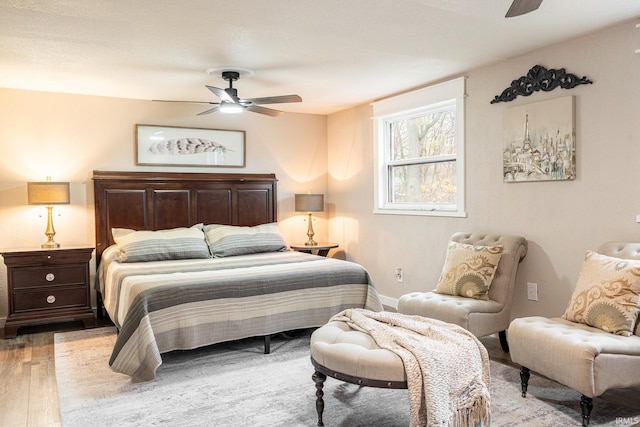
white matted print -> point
(539, 141)
(178, 146)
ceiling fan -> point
(231, 103)
(520, 7)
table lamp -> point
(309, 203)
(49, 194)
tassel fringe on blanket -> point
(447, 367)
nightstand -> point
(322, 248)
(47, 286)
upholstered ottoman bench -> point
(444, 366)
(352, 356)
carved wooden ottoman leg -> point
(319, 378)
(524, 380)
(586, 404)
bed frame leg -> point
(267, 344)
(319, 378)
(101, 312)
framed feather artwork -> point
(180, 146)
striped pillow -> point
(228, 240)
(161, 245)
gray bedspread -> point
(170, 305)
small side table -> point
(322, 248)
(48, 286)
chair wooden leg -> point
(267, 344)
(586, 405)
(524, 380)
(319, 378)
(503, 341)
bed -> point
(164, 290)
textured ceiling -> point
(333, 53)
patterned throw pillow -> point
(228, 240)
(607, 294)
(469, 270)
(160, 245)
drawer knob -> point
(51, 299)
(50, 277)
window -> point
(420, 152)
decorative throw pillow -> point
(469, 270)
(160, 245)
(607, 294)
(229, 240)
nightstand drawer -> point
(47, 299)
(30, 277)
(46, 257)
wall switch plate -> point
(637, 218)
(532, 291)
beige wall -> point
(561, 220)
(68, 136)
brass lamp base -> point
(50, 232)
(310, 233)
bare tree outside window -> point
(426, 144)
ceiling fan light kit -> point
(230, 108)
(231, 103)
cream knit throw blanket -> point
(447, 367)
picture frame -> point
(183, 146)
(539, 141)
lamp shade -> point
(309, 202)
(48, 193)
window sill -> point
(417, 212)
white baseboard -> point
(388, 301)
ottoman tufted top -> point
(339, 348)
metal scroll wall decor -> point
(539, 78)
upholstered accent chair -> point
(588, 357)
(481, 315)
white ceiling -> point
(333, 53)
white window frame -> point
(409, 105)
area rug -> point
(235, 384)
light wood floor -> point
(28, 394)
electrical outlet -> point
(532, 291)
(399, 275)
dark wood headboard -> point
(161, 200)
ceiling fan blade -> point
(263, 110)
(209, 111)
(187, 102)
(273, 99)
(520, 7)
(223, 95)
